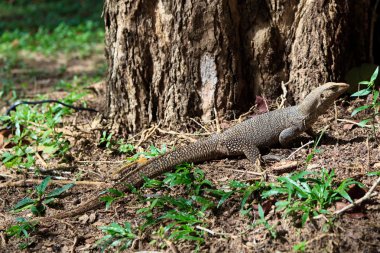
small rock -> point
(84, 218)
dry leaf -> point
(261, 104)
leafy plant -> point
(263, 221)
(374, 173)
(151, 152)
(21, 230)
(106, 139)
(35, 130)
(125, 147)
(113, 195)
(300, 247)
(315, 150)
(375, 103)
(38, 204)
(7, 88)
(309, 196)
(178, 217)
(118, 236)
(77, 83)
(119, 145)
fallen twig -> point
(218, 130)
(359, 201)
(74, 244)
(28, 182)
(171, 245)
(244, 115)
(283, 168)
(211, 232)
(144, 136)
(202, 126)
(249, 172)
(353, 122)
(368, 195)
(3, 240)
(186, 134)
(111, 162)
(298, 149)
(183, 135)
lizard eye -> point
(322, 96)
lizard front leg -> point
(289, 134)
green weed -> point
(315, 150)
(38, 204)
(373, 106)
(263, 221)
(81, 39)
(119, 237)
(21, 230)
(373, 173)
(309, 196)
(178, 216)
(35, 130)
(105, 139)
(125, 147)
(78, 82)
(121, 146)
(113, 195)
(300, 247)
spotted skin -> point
(246, 138)
(279, 126)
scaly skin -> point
(279, 126)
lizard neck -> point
(310, 110)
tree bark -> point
(170, 60)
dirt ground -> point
(345, 147)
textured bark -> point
(171, 59)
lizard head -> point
(321, 98)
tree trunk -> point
(172, 59)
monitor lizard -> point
(245, 138)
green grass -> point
(80, 39)
(308, 194)
(117, 236)
(50, 27)
(30, 15)
(67, 29)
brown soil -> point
(344, 147)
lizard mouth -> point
(343, 85)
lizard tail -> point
(195, 152)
